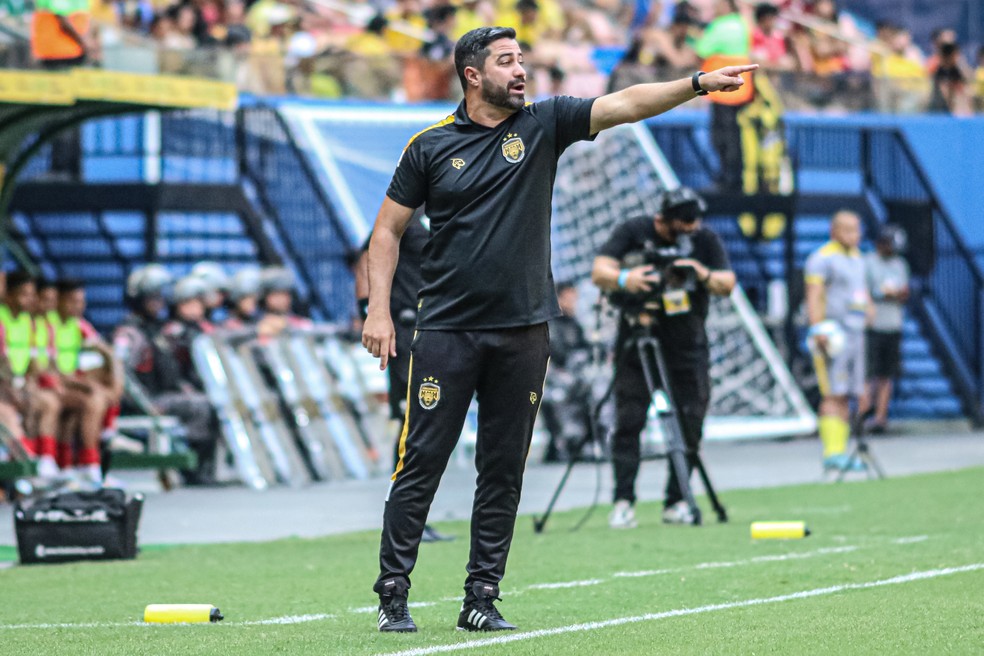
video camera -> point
(680, 204)
(671, 277)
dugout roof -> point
(36, 106)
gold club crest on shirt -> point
(457, 163)
(513, 148)
(429, 393)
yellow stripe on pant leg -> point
(406, 421)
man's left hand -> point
(725, 79)
(702, 272)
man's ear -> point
(472, 76)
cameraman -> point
(661, 271)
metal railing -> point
(950, 295)
(289, 192)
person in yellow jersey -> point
(93, 395)
(472, 14)
(838, 306)
(40, 408)
(405, 27)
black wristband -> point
(363, 304)
(695, 82)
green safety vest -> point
(68, 342)
(18, 335)
(41, 342)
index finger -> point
(744, 68)
(383, 359)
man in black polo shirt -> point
(486, 174)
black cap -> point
(682, 204)
(894, 235)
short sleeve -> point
(409, 184)
(716, 256)
(815, 271)
(569, 118)
(620, 243)
(906, 273)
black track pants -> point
(505, 368)
(691, 392)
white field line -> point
(298, 619)
(825, 551)
(652, 572)
(565, 584)
(286, 619)
(412, 604)
(649, 617)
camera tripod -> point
(861, 453)
(650, 352)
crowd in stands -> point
(62, 385)
(401, 49)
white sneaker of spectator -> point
(48, 468)
(678, 513)
(623, 515)
(89, 476)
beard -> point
(500, 96)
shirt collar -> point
(840, 248)
(461, 115)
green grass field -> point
(656, 589)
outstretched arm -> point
(641, 101)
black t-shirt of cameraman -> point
(661, 271)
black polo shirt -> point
(683, 335)
(488, 194)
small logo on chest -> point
(513, 148)
(457, 163)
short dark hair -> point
(435, 15)
(377, 24)
(17, 279)
(473, 48)
(44, 283)
(764, 10)
(69, 285)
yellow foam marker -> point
(181, 613)
(779, 530)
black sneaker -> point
(479, 614)
(394, 615)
